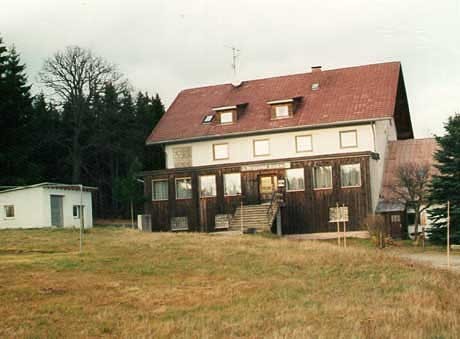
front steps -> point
(258, 218)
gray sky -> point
(165, 46)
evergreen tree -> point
(15, 112)
(46, 137)
(446, 185)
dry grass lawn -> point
(130, 284)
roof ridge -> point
(288, 75)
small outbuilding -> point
(46, 205)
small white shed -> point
(46, 205)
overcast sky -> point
(165, 46)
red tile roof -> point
(401, 152)
(347, 94)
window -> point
(220, 151)
(232, 183)
(261, 147)
(9, 211)
(208, 118)
(295, 179)
(184, 188)
(76, 211)
(303, 143)
(322, 177)
(395, 218)
(282, 111)
(159, 190)
(315, 86)
(207, 186)
(348, 139)
(226, 117)
(350, 175)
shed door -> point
(57, 214)
(395, 222)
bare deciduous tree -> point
(412, 188)
(77, 77)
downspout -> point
(373, 135)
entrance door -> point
(395, 226)
(57, 215)
(267, 185)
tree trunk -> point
(76, 159)
(416, 222)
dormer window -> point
(282, 109)
(226, 117)
(208, 118)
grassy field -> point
(130, 284)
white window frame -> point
(78, 209)
(297, 169)
(351, 186)
(14, 211)
(342, 133)
(226, 114)
(297, 143)
(255, 141)
(214, 153)
(215, 186)
(285, 114)
(208, 118)
(225, 187)
(191, 188)
(153, 189)
(315, 181)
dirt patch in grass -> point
(133, 284)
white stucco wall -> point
(384, 131)
(282, 145)
(33, 208)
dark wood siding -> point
(305, 211)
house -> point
(46, 205)
(398, 218)
(238, 155)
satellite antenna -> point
(235, 56)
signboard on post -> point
(338, 214)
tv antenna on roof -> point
(235, 56)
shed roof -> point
(399, 153)
(49, 185)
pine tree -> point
(446, 185)
(15, 112)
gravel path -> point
(435, 259)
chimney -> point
(315, 69)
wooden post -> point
(242, 227)
(344, 227)
(338, 223)
(448, 234)
(278, 223)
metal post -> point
(132, 213)
(81, 218)
(278, 223)
(448, 234)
